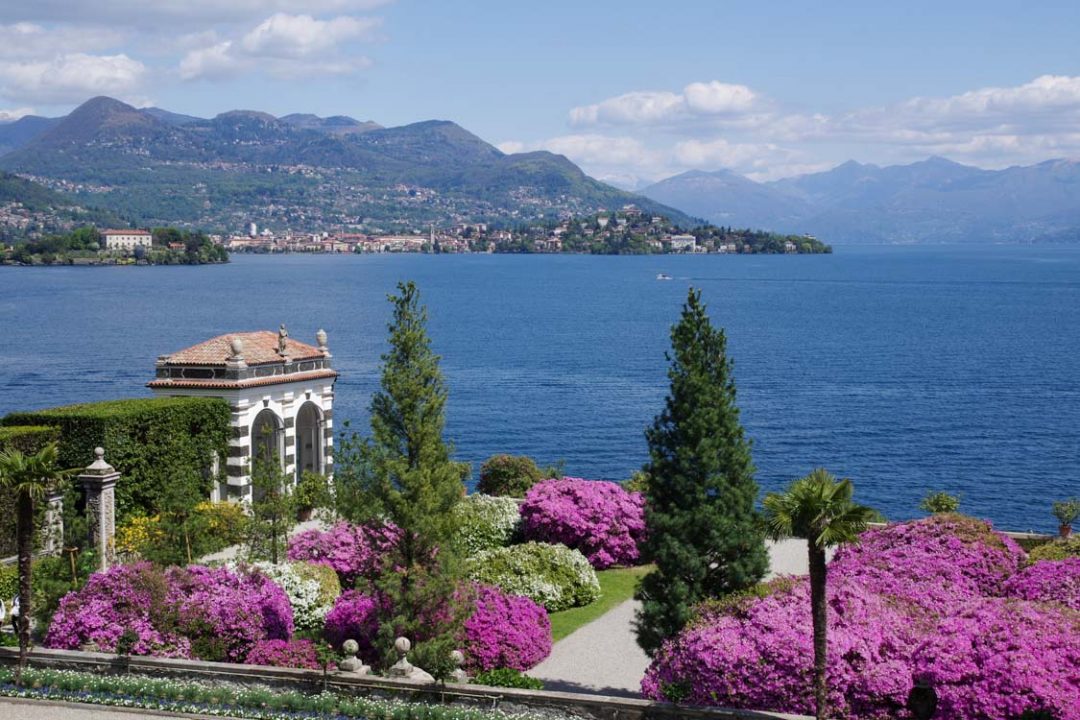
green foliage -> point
(27, 439)
(507, 677)
(56, 576)
(483, 522)
(508, 475)
(1066, 511)
(151, 442)
(403, 473)
(273, 511)
(817, 508)
(704, 535)
(551, 575)
(1059, 549)
(9, 583)
(312, 491)
(638, 482)
(940, 502)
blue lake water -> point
(904, 368)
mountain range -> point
(300, 171)
(935, 200)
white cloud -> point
(15, 114)
(26, 41)
(698, 100)
(302, 36)
(71, 78)
(172, 14)
(284, 46)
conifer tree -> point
(404, 473)
(704, 535)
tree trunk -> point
(819, 615)
(25, 542)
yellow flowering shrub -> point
(136, 534)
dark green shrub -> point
(511, 475)
(9, 582)
(507, 677)
(152, 442)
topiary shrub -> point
(508, 475)
(1057, 550)
(1048, 581)
(505, 631)
(552, 575)
(599, 518)
(483, 522)
(355, 552)
(507, 677)
(940, 502)
(295, 653)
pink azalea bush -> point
(1048, 581)
(919, 600)
(355, 552)
(355, 616)
(126, 597)
(295, 653)
(209, 613)
(601, 519)
(505, 631)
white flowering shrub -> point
(310, 599)
(483, 522)
(552, 575)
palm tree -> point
(29, 477)
(817, 508)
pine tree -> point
(704, 535)
(404, 473)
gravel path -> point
(603, 657)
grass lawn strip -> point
(195, 698)
(616, 587)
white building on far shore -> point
(126, 239)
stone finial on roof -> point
(320, 338)
(236, 344)
(283, 337)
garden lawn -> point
(617, 585)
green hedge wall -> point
(152, 442)
(27, 439)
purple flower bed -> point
(295, 653)
(505, 631)
(1048, 581)
(354, 551)
(920, 599)
(209, 613)
(600, 519)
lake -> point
(908, 369)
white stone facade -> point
(126, 239)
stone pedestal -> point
(99, 483)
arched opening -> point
(309, 439)
(267, 438)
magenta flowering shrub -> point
(126, 597)
(761, 656)
(353, 551)
(295, 653)
(999, 658)
(940, 599)
(1048, 581)
(224, 613)
(505, 631)
(598, 518)
(355, 616)
(937, 563)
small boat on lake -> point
(663, 276)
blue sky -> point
(632, 91)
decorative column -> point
(54, 520)
(99, 483)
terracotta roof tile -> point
(236, 384)
(259, 348)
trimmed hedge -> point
(27, 439)
(152, 442)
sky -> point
(632, 91)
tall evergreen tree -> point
(404, 473)
(703, 531)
